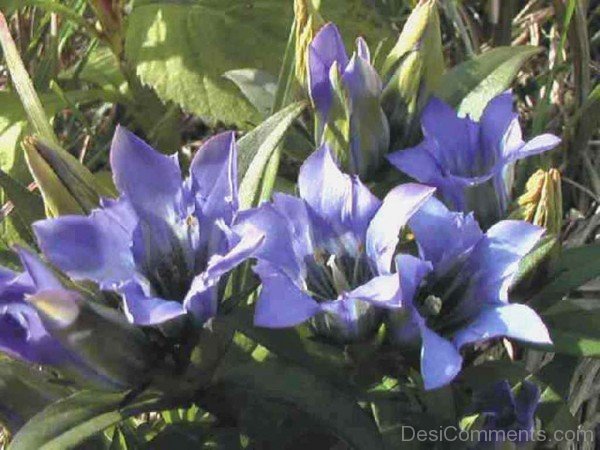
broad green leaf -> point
(574, 267)
(71, 420)
(472, 84)
(258, 87)
(335, 411)
(256, 148)
(182, 48)
(24, 391)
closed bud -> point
(99, 337)
(346, 95)
(541, 204)
(67, 186)
(412, 71)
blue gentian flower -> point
(166, 242)
(507, 417)
(468, 161)
(460, 288)
(356, 129)
(328, 255)
(22, 333)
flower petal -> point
(454, 233)
(281, 303)
(499, 118)
(397, 208)
(514, 321)
(382, 291)
(278, 245)
(411, 271)
(343, 205)
(150, 180)
(526, 403)
(22, 335)
(213, 173)
(440, 361)
(144, 309)
(535, 146)
(495, 259)
(97, 247)
(454, 141)
(418, 163)
(43, 278)
(370, 137)
(202, 297)
(326, 49)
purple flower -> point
(467, 161)
(346, 95)
(460, 289)
(166, 242)
(507, 417)
(22, 333)
(328, 255)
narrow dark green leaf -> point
(533, 259)
(70, 421)
(472, 84)
(24, 391)
(256, 148)
(573, 325)
(574, 267)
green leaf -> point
(336, 412)
(182, 48)
(258, 87)
(534, 258)
(24, 86)
(101, 68)
(71, 420)
(292, 345)
(256, 148)
(482, 375)
(553, 409)
(575, 267)
(27, 206)
(472, 84)
(25, 390)
(573, 326)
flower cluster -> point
(328, 257)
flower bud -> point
(99, 337)
(67, 186)
(346, 97)
(411, 72)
